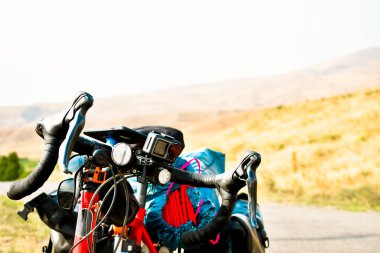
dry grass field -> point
(17, 235)
(323, 151)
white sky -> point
(51, 49)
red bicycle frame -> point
(134, 231)
(80, 230)
(137, 231)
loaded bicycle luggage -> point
(131, 190)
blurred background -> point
(297, 81)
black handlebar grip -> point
(193, 179)
(228, 185)
(53, 130)
(210, 230)
(86, 145)
(223, 215)
(40, 174)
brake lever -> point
(249, 163)
(76, 119)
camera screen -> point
(160, 148)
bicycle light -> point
(121, 154)
(164, 176)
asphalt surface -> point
(293, 228)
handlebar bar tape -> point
(211, 230)
(86, 145)
(224, 213)
(193, 179)
(228, 185)
(40, 174)
(53, 130)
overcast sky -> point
(51, 49)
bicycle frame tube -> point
(136, 230)
(80, 230)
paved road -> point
(296, 229)
(309, 229)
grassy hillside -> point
(322, 152)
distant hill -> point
(190, 106)
(324, 151)
(339, 76)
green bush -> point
(10, 168)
